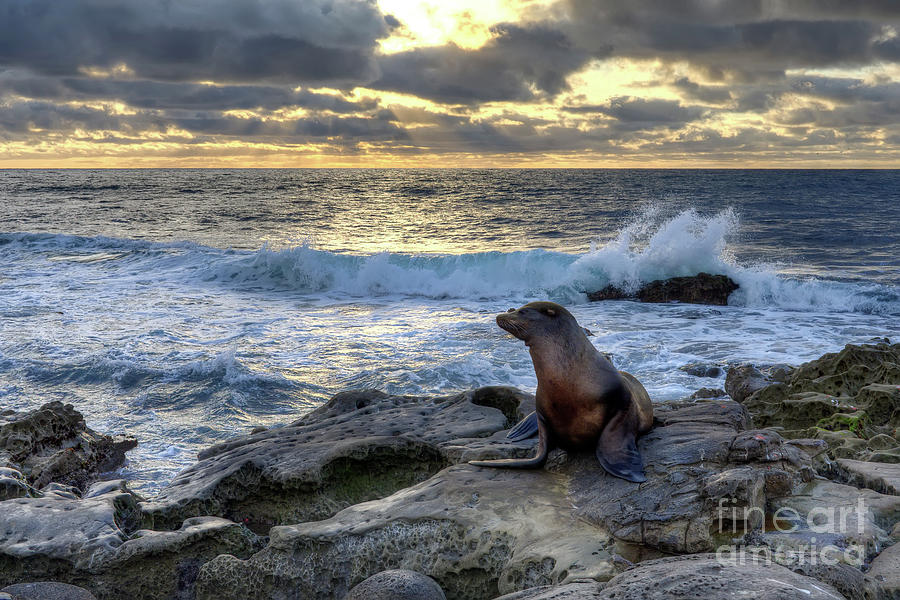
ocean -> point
(188, 306)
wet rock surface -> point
(13, 485)
(709, 576)
(574, 591)
(850, 399)
(359, 446)
(510, 530)
(94, 542)
(694, 576)
(702, 288)
(477, 532)
(881, 477)
(884, 574)
(697, 455)
(53, 444)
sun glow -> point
(466, 23)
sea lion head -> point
(540, 320)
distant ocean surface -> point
(187, 306)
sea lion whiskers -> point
(509, 324)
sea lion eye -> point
(511, 310)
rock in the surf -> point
(53, 444)
(701, 370)
(701, 288)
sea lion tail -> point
(514, 463)
(523, 463)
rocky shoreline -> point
(786, 487)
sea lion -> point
(582, 401)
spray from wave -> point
(652, 247)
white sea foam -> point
(226, 368)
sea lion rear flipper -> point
(524, 463)
(617, 450)
(524, 429)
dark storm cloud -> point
(632, 113)
(19, 119)
(846, 90)
(742, 38)
(861, 114)
(518, 63)
(834, 102)
(756, 99)
(347, 129)
(170, 95)
(220, 40)
(734, 41)
(702, 93)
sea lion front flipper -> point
(617, 450)
(524, 429)
(524, 463)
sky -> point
(467, 83)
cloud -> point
(702, 93)
(517, 64)
(845, 89)
(196, 40)
(745, 39)
(144, 93)
(631, 113)
(31, 119)
(861, 114)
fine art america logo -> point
(823, 537)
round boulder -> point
(397, 584)
(46, 590)
(727, 577)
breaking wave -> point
(653, 246)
